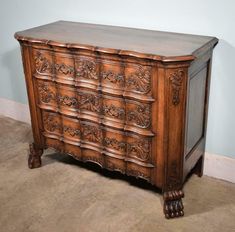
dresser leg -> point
(34, 158)
(198, 169)
(173, 205)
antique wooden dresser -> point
(129, 100)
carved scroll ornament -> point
(176, 79)
(140, 80)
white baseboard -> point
(217, 166)
(15, 110)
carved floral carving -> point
(176, 79)
(115, 144)
(45, 94)
(113, 77)
(42, 64)
(139, 149)
(67, 101)
(140, 117)
(64, 69)
(50, 123)
(87, 69)
(140, 80)
(90, 102)
(92, 133)
(71, 131)
(113, 111)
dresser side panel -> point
(197, 110)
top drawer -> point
(111, 74)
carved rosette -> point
(140, 80)
(87, 69)
(113, 77)
(45, 94)
(176, 79)
(92, 133)
(113, 111)
(139, 149)
(64, 69)
(90, 102)
(140, 117)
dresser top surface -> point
(141, 43)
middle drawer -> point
(116, 112)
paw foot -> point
(173, 205)
(34, 158)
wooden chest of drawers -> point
(133, 101)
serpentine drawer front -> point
(129, 100)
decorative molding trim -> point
(15, 110)
(219, 166)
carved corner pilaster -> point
(34, 158)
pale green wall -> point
(205, 17)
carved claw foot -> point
(34, 158)
(173, 205)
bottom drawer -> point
(105, 161)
